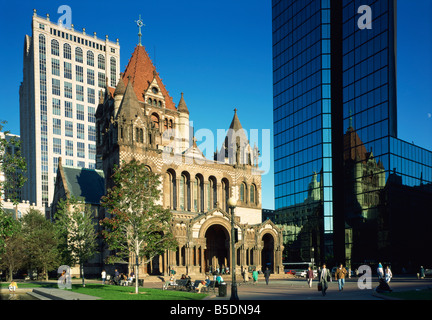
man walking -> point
(324, 278)
(267, 275)
(340, 276)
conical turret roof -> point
(121, 88)
(130, 107)
(182, 107)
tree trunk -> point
(82, 274)
(136, 273)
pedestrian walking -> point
(255, 276)
(388, 274)
(245, 275)
(309, 276)
(380, 271)
(267, 275)
(340, 275)
(103, 275)
(422, 273)
(324, 279)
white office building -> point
(63, 74)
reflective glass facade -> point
(335, 127)
(302, 111)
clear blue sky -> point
(219, 54)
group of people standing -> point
(325, 276)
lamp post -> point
(232, 203)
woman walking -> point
(255, 276)
(309, 276)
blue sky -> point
(219, 54)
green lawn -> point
(110, 292)
(425, 294)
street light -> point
(232, 203)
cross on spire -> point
(140, 24)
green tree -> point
(40, 242)
(138, 227)
(13, 166)
(76, 232)
(11, 244)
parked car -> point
(303, 273)
(334, 271)
(287, 271)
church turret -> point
(183, 125)
(236, 149)
(118, 95)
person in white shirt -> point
(103, 274)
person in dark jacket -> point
(267, 275)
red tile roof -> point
(141, 71)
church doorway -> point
(267, 253)
(217, 248)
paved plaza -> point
(298, 289)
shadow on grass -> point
(110, 292)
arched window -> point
(253, 194)
(155, 119)
(78, 55)
(150, 101)
(211, 193)
(184, 192)
(170, 124)
(172, 185)
(243, 192)
(101, 62)
(67, 51)
(113, 71)
(225, 194)
(90, 58)
(165, 124)
(55, 49)
(137, 134)
(198, 192)
(141, 136)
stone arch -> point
(268, 241)
(217, 249)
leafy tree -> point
(138, 227)
(13, 165)
(76, 232)
(11, 248)
(40, 242)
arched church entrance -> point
(267, 254)
(216, 254)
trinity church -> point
(139, 120)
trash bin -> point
(223, 289)
(140, 282)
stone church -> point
(139, 120)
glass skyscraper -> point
(335, 128)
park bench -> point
(183, 284)
(210, 287)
